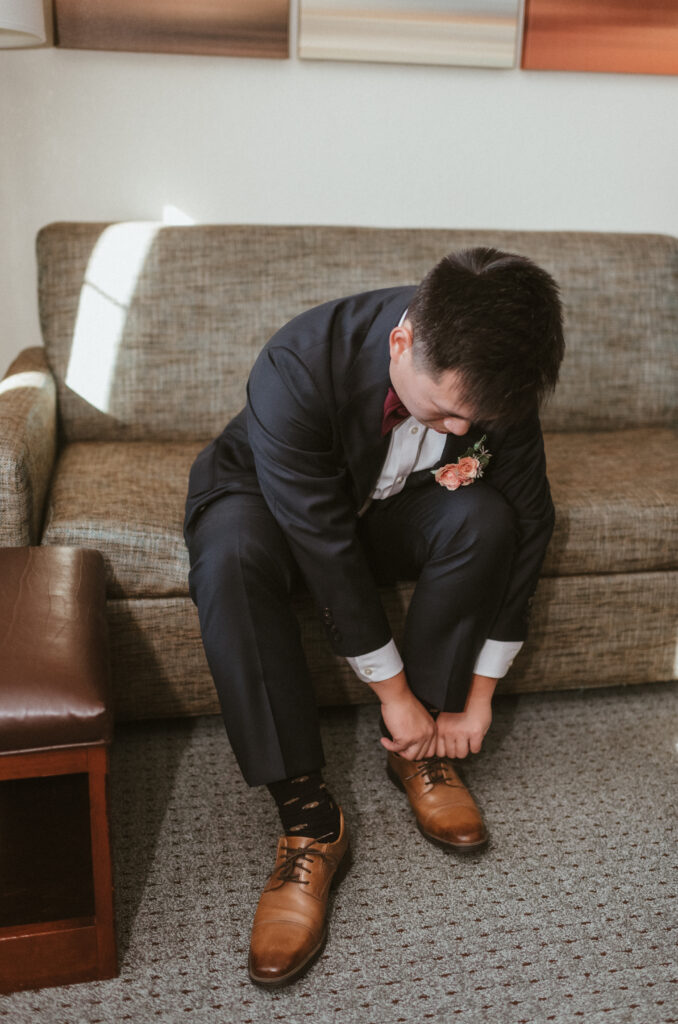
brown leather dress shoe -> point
(289, 928)
(446, 812)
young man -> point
(388, 435)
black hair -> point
(496, 318)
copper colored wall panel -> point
(240, 28)
(602, 35)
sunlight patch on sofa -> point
(27, 379)
(105, 299)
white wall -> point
(98, 136)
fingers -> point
(415, 750)
(475, 744)
(460, 746)
(421, 751)
(431, 747)
(456, 745)
(406, 750)
(451, 747)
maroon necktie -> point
(394, 412)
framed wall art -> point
(602, 35)
(483, 33)
(235, 28)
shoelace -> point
(434, 770)
(293, 863)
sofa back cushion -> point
(151, 330)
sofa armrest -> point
(28, 445)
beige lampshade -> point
(22, 23)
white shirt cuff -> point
(376, 666)
(496, 658)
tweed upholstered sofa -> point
(149, 333)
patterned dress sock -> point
(306, 807)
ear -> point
(400, 340)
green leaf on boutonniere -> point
(478, 451)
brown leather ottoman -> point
(56, 892)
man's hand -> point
(412, 728)
(409, 723)
(458, 733)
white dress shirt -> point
(413, 447)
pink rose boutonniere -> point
(469, 467)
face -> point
(435, 403)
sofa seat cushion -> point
(127, 500)
(616, 498)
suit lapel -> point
(366, 383)
(361, 411)
(456, 446)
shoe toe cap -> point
(278, 950)
(457, 829)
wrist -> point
(481, 691)
(393, 690)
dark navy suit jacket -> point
(309, 440)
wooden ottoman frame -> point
(56, 884)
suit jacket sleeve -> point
(519, 472)
(301, 469)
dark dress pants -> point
(458, 546)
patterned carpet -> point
(571, 914)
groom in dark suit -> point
(388, 435)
